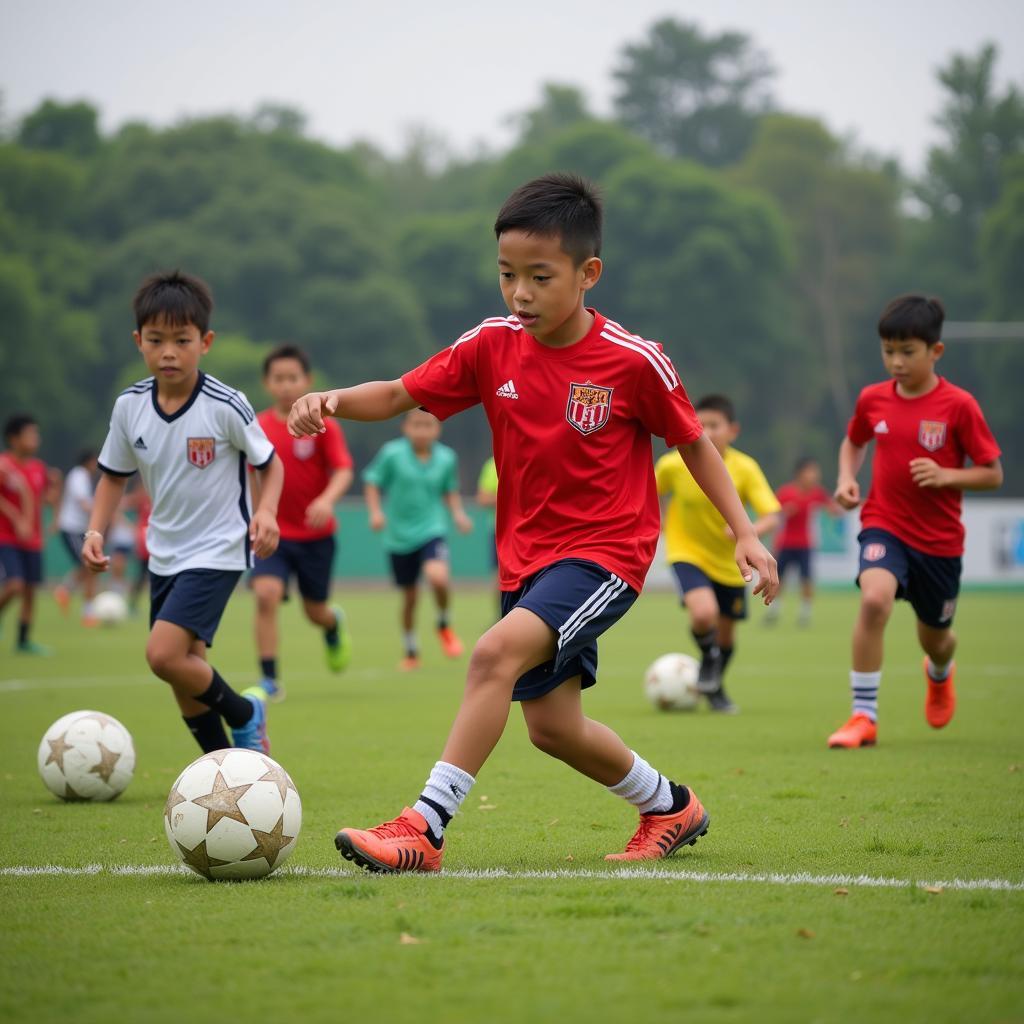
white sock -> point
(647, 790)
(442, 795)
(864, 687)
(939, 673)
(409, 640)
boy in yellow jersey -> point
(699, 544)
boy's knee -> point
(549, 737)
(162, 661)
(876, 605)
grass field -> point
(750, 924)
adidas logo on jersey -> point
(881, 427)
(507, 390)
(140, 444)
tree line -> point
(755, 244)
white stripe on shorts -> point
(591, 608)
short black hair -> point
(565, 206)
(912, 316)
(803, 462)
(178, 298)
(287, 351)
(17, 423)
(717, 403)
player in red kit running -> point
(572, 399)
(911, 541)
(317, 472)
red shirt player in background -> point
(26, 485)
(794, 545)
(572, 399)
(911, 541)
(317, 472)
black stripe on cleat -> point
(351, 852)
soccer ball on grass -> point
(86, 755)
(670, 682)
(109, 608)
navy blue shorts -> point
(406, 568)
(194, 599)
(73, 545)
(19, 564)
(930, 583)
(732, 601)
(800, 557)
(579, 600)
(310, 561)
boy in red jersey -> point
(572, 399)
(794, 546)
(317, 472)
(911, 537)
(26, 485)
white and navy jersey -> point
(193, 463)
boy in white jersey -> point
(191, 439)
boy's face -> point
(172, 352)
(286, 381)
(541, 284)
(911, 361)
(721, 432)
(421, 429)
(26, 442)
(809, 477)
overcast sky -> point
(462, 68)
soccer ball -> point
(671, 682)
(233, 814)
(109, 608)
(86, 755)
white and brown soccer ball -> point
(86, 755)
(233, 814)
(670, 682)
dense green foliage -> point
(756, 245)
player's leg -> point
(405, 571)
(268, 590)
(806, 587)
(314, 566)
(698, 598)
(732, 607)
(32, 574)
(12, 580)
(438, 574)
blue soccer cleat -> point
(272, 689)
(253, 735)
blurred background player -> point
(189, 437)
(700, 546)
(317, 471)
(418, 478)
(487, 498)
(72, 519)
(794, 545)
(26, 486)
(911, 538)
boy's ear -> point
(137, 338)
(937, 349)
(734, 430)
(590, 270)
(206, 341)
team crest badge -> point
(303, 447)
(201, 451)
(931, 434)
(589, 407)
(874, 552)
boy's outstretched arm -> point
(706, 467)
(851, 458)
(375, 400)
(109, 492)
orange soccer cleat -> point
(940, 700)
(450, 643)
(396, 846)
(660, 835)
(409, 663)
(859, 731)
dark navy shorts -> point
(406, 568)
(732, 601)
(579, 600)
(19, 564)
(310, 561)
(800, 557)
(930, 583)
(73, 545)
(194, 599)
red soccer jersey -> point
(309, 463)
(572, 439)
(796, 529)
(33, 472)
(945, 425)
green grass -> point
(921, 807)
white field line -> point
(622, 874)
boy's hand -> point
(462, 522)
(752, 556)
(318, 512)
(927, 473)
(376, 521)
(264, 533)
(92, 554)
(307, 416)
(847, 493)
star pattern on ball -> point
(104, 768)
(222, 802)
(70, 794)
(276, 774)
(269, 844)
(199, 859)
(174, 798)
(58, 748)
(217, 756)
(98, 717)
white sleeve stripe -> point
(216, 385)
(665, 379)
(649, 345)
(247, 418)
(495, 321)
